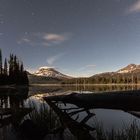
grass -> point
(43, 117)
(129, 132)
(46, 119)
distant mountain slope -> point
(130, 68)
(127, 75)
(46, 75)
(50, 72)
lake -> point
(24, 114)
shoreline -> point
(66, 85)
(84, 85)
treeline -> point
(12, 71)
(109, 79)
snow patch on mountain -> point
(50, 72)
(129, 69)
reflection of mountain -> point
(59, 90)
(47, 90)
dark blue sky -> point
(78, 37)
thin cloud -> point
(51, 60)
(24, 40)
(43, 39)
(54, 37)
(135, 7)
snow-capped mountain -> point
(50, 72)
(130, 68)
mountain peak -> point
(50, 72)
(129, 68)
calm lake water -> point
(24, 115)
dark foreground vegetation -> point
(128, 132)
(12, 71)
(127, 101)
(52, 124)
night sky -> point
(77, 37)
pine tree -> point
(0, 61)
(11, 61)
(5, 67)
(14, 72)
(21, 67)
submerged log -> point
(79, 129)
(122, 100)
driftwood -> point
(78, 129)
(124, 100)
(128, 101)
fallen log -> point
(79, 130)
(122, 100)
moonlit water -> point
(24, 98)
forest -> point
(130, 78)
(12, 71)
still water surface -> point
(24, 115)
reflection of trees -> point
(12, 109)
(13, 98)
(80, 88)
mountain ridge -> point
(130, 68)
(51, 72)
(47, 75)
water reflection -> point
(36, 89)
(12, 110)
(24, 115)
(70, 107)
